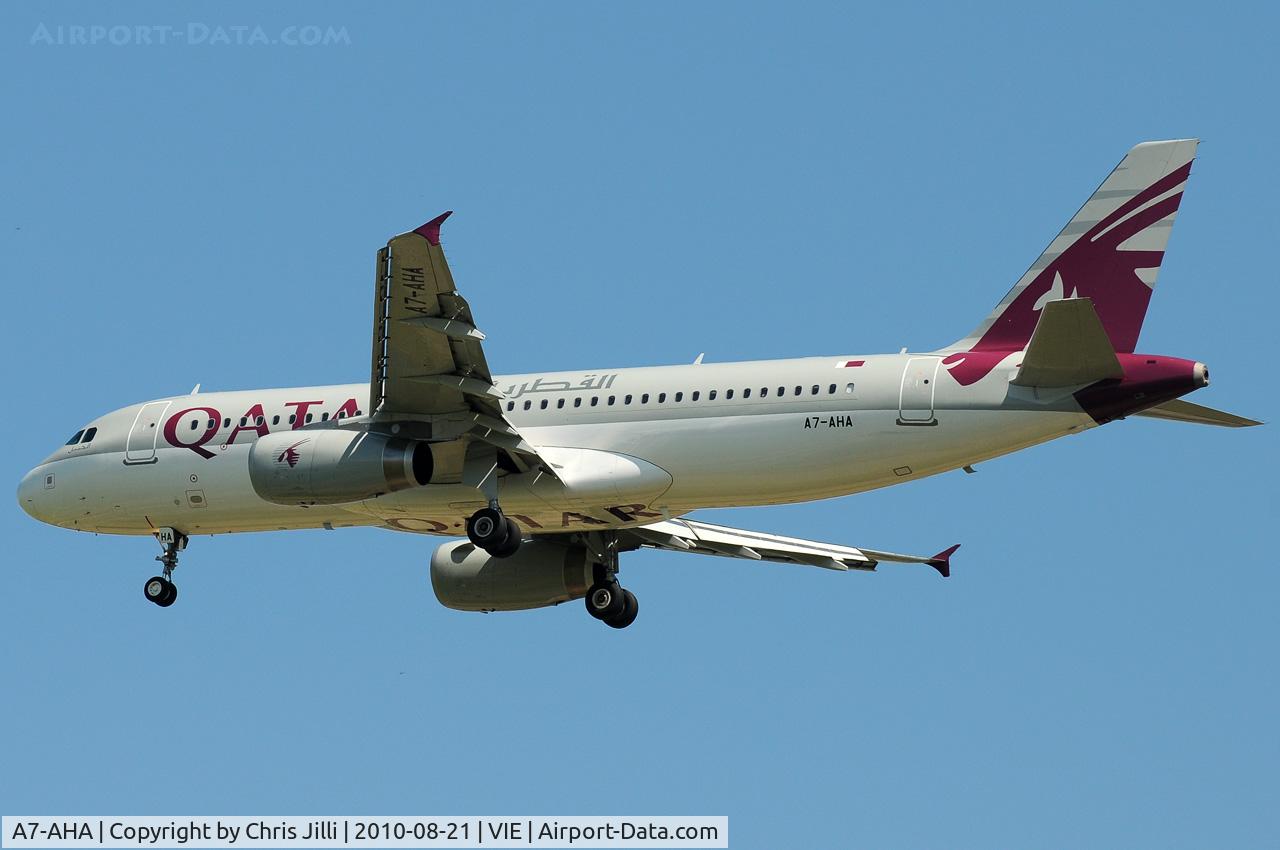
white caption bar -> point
(370, 832)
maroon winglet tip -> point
(431, 230)
(942, 561)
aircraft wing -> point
(686, 535)
(429, 372)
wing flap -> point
(1069, 347)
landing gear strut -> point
(494, 532)
(160, 589)
(607, 600)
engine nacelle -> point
(541, 573)
(332, 466)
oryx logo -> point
(1108, 262)
(291, 455)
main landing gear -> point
(160, 589)
(607, 600)
(494, 532)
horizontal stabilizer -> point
(1184, 411)
(1069, 347)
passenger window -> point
(627, 400)
(275, 420)
(644, 399)
(258, 421)
(511, 405)
(679, 396)
(848, 388)
(595, 400)
(195, 423)
(528, 404)
(244, 420)
(764, 392)
(662, 397)
(324, 417)
(694, 397)
(611, 400)
(310, 416)
(782, 391)
(711, 396)
(746, 393)
(559, 403)
(831, 389)
(226, 423)
(816, 388)
(728, 395)
(293, 417)
(577, 402)
(544, 404)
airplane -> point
(552, 476)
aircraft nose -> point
(30, 490)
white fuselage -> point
(629, 445)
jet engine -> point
(541, 573)
(332, 466)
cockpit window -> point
(75, 439)
(89, 435)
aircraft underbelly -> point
(768, 459)
(180, 489)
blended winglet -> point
(942, 561)
(431, 230)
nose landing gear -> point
(160, 589)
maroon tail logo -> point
(291, 455)
(1094, 266)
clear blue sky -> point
(635, 184)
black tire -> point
(171, 597)
(629, 613)
(512, 544)
(486, 528)
(156, 589)
(605, 600)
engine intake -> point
(542, 573)
(332, 466)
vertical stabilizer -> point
(1110, 252)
